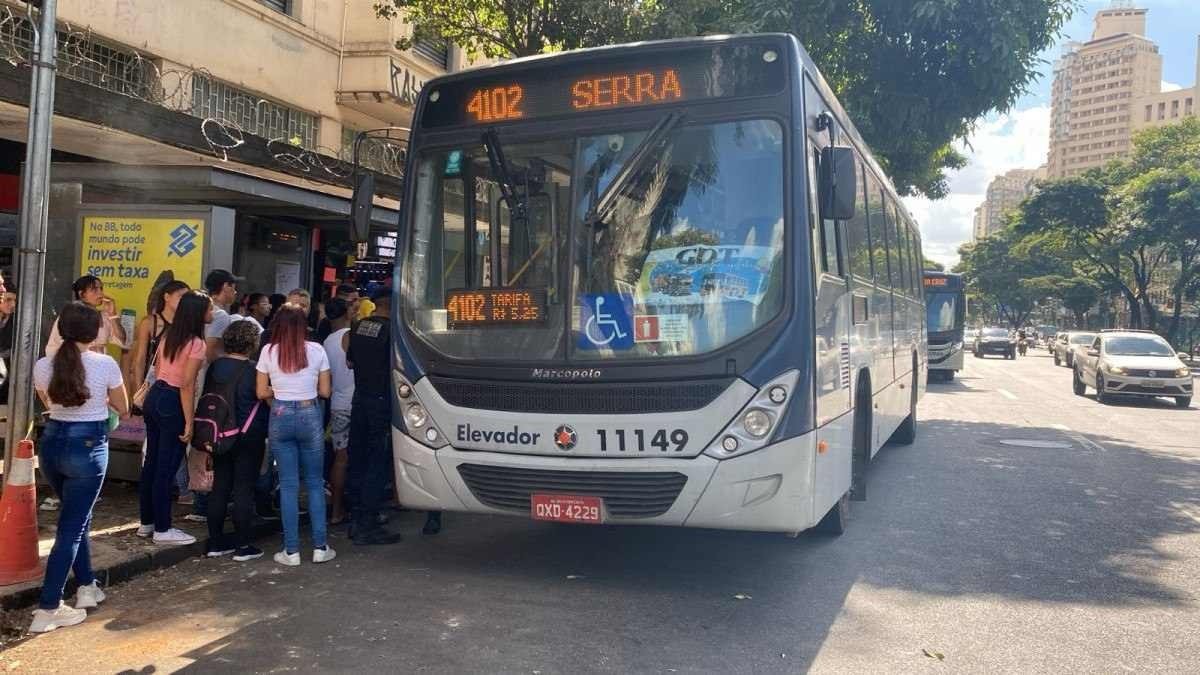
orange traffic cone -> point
(18, 520)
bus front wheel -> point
(834, 523)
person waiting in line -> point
(337, 311)
(293, 373)
(222, 288)
(236, 471)
(90, 289)
(151, 329)
(78, 386)
(8, 324)
(258, 309)
(347, 294)
(302, 299)
(368, 355)
(169, 411)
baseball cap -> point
(218, 278)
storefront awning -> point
(215, 186)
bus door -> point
(831, 317)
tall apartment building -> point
(1004, 193)
(1169, 106)
(1097, 85)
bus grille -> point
(578, 398)
(626, 494)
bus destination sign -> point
(936, 281)
(495, 306)
(741, 69)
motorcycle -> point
(1022, 346)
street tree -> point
(934, 265)
(915, 75)
(1008, 275)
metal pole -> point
(34, 211)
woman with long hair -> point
(169, 409)
(90, 290)
(160, 311)
(78, 386)
(294, 374)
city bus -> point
(946, 313)
(662, 284)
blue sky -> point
(1018, 138)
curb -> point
(135, 566)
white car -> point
(1138, 363)
(1067, 344)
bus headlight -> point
(757, 422)
(415, 415)
(1183, 372)
(418, 423)
(754, 425)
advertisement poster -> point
(691, 275)
(128, 253)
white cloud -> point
(1170, 86)
(1016, 140)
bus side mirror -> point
(360, 207)
(837, 183)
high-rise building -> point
(1169, 106)
(1004, 193)
(1096, 87)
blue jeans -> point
(164, 452)
(298, 444)
(73, 457)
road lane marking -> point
(1007, 394)
(1080, 438)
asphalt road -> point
(1027, 530)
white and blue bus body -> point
(613, 284)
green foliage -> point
(1008, 275)
(914, 75)
(934, 265)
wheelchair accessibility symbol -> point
(607, 322)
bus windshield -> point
(509, 258)
(940, 311)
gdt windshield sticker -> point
(690, 275)
(606, 322)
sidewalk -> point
(117, 552)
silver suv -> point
(1138, 363)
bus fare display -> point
(495, 306)
(599, 84)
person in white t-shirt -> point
(78, 386)
(222, 288)
(90, 290)
(337, 311)
(294, 374)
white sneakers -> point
(46, 620)
(320, 555)
(174, 537)
(144, 531)
(326, 554)
(89, 596)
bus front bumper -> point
(767, 490)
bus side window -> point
(900, 249)
(875, 231)
(917, 263)
(858, 237)
(830, 260)
(890, 246)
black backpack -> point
(215, 429)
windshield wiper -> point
(603, 206)
(518, 205)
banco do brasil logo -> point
(183, 240)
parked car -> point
(1137, 363)
(1067, 343)
(995, 340)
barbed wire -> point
(226, 115)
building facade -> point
(1004, 193)
(1096, 87)
(1169, 106)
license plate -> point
(1153, 384)
(566, 508)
